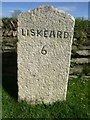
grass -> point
(76, 105)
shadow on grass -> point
(9, 73)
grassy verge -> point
(76, 105)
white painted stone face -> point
(44, 49)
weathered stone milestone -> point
(44, 48)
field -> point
(77, 104)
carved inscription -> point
(44, 51)
(45, 33)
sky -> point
(44, 0)
(77, 9)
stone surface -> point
(83, 52)
(14, 33)
(71, 77)
(76, 70)
(85, 48)
(44, 48)
(80, 60)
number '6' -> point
(43, 51)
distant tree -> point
(15, 13)
(81, 30)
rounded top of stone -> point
(47, 7)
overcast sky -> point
(77, 9)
